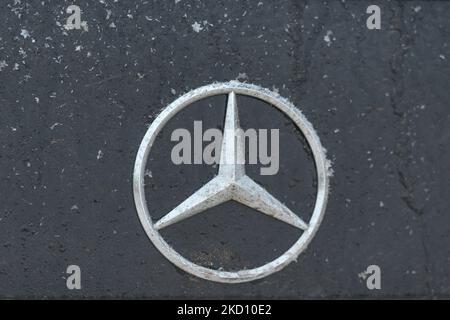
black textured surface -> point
(75, 106)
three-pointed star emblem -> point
(231, 183)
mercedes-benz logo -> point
(231, 182)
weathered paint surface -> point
(75, 105)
